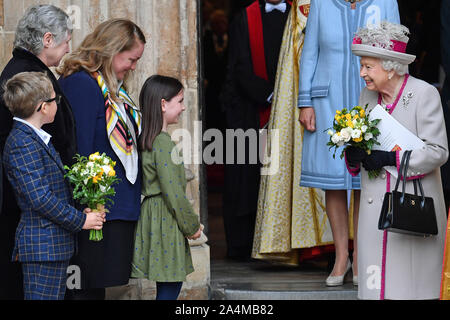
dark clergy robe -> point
(63, 139)
(243, 96)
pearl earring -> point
(390, 76)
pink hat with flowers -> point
(386, 41)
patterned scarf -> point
(123, 130)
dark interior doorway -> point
(423, 21)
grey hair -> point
(380, 36)
(36, 22)
(399, 68)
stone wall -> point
(170, 27)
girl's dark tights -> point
(168, 290)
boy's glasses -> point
(57, 99)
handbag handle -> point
(401, 169)
(422, 203)
(404, 175)
(415, 181)
(404, 172)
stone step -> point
(259, 280)
(303, 294)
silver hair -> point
(36, 22)
(399, 68)
(380, 36)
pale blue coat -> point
(329, 80)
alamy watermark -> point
(234, 146)
(373, 281)
(74, 13)
(73, 277)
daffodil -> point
(93, 178)
(352, 127)
(94, 156)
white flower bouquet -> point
(353, 128)
(93, 179)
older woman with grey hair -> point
(42, 39)
(393, 265)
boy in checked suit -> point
(44, 240)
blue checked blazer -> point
(48, 223)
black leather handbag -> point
(407, 213)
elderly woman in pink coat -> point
(392, 265)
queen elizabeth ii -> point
(392, 265)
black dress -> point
(242, 96)
(64, 141)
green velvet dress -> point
(161, 250)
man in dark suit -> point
(54, 28)
(256, 34)
(45, 237)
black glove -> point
(355, 155)
(378, 159)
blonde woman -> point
(93, 78)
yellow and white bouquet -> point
(353, 128)
(93, 179)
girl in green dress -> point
(167, 221)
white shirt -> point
(280, 6)
(41, 133)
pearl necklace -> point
(397, 91)
(390, 108)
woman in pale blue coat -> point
(329, 80)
